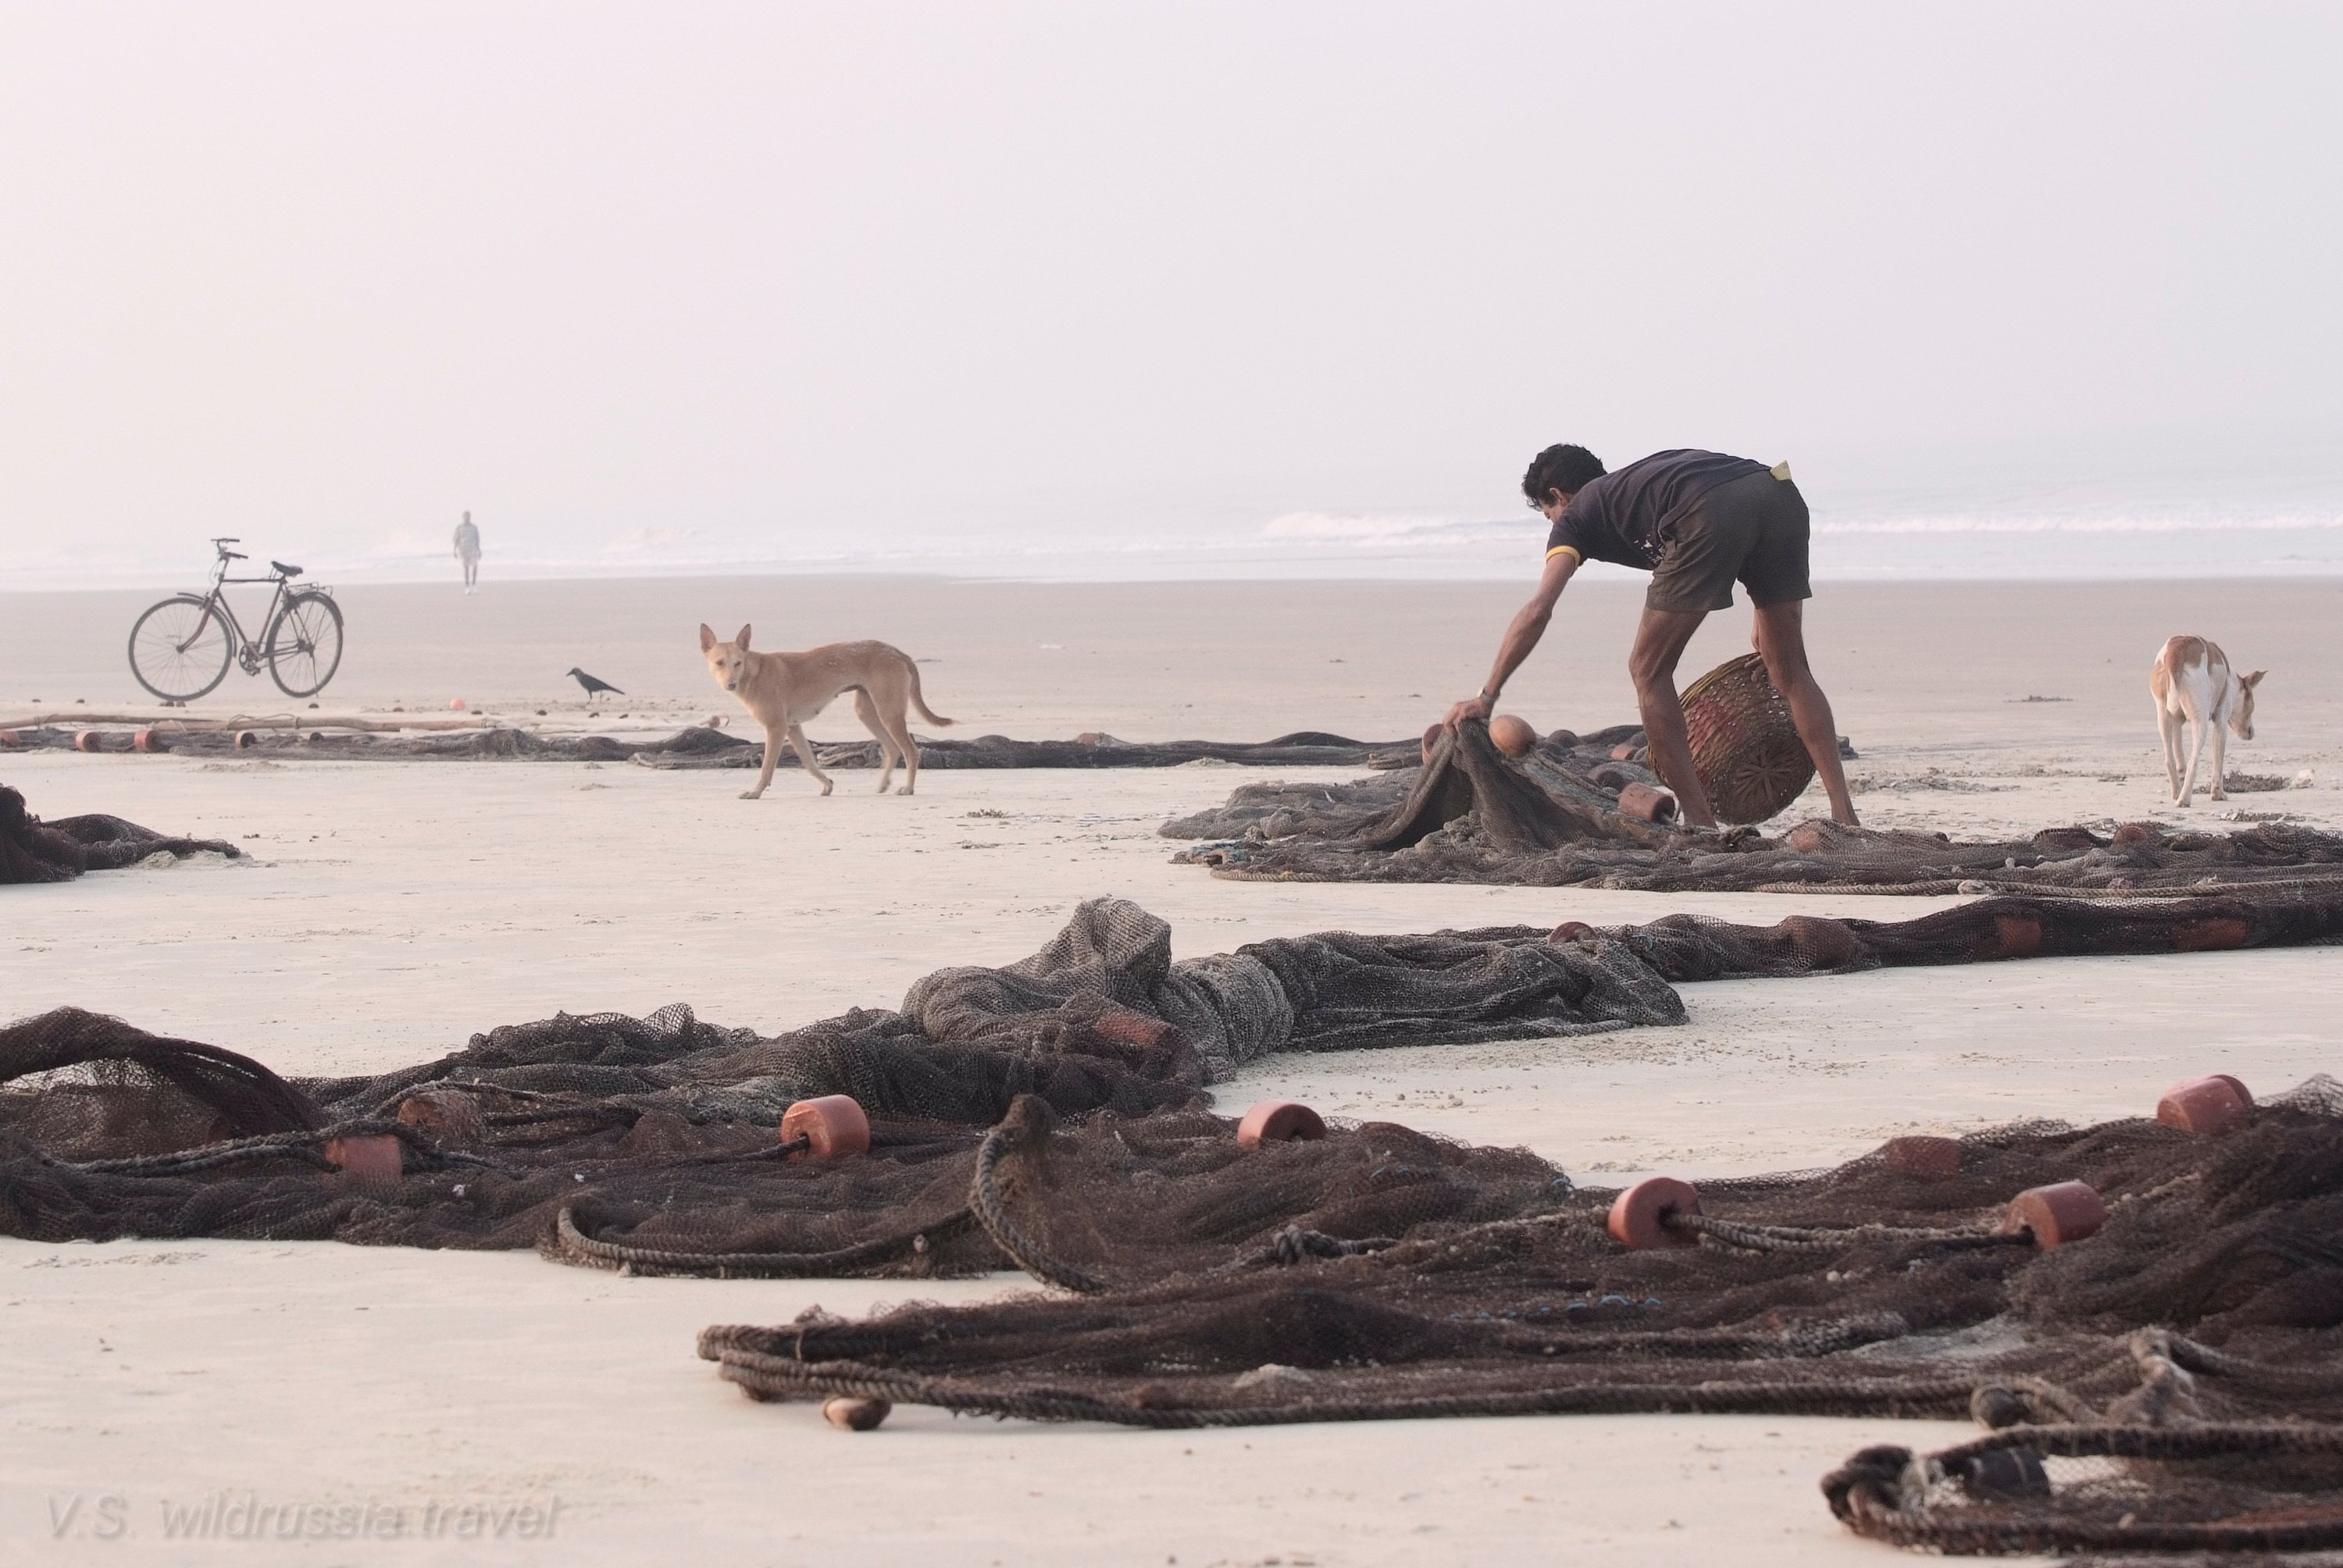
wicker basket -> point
(1750, 758)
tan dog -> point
(2192, 683)
(785, 690)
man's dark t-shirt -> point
(1626, 514)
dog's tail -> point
(921, 702)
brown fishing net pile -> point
(1551, 819)
(1048, 1115)
(31, 850)
(2168, 1382)
(662, 1129)
(704, 747)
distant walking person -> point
(467, 551)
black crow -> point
(593, 687)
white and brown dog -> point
(785, 690)
(2192, 682)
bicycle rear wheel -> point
(305, 644)
(179, 649)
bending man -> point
(1698, 522)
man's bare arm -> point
(1521, 639)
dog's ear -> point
(707, 637)
(2255, 678)
(743, 640)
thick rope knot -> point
(1872, 1481)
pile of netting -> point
(31, 850)
(2156, 1349)
(2161, 1378)
(704, 746)
(591, 1135)
(1469, 814)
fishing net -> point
(2169, 1380)
(1469, 814)
(2132, 1353)
(703, 746)
(659, 1132)
(31, 850)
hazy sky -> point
(326, 275)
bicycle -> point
(180, 648)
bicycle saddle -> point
(288, 572)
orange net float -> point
(2205, 1106)
(2215, 934)
(1511, 736)
(2054, 1215)
(1646, 804)
(246, 739)
(1280, 1122)
(1122, 1026)
(1639, 1216)
(150, 741)
(824, 1128)
(86, 741)
(2013, 936)
(1571, 932)
(374, 1161)
(10, 737)
(1819, 942)
(849, 1413)
(448, 1117)
(1432, 739)
(1921, 1156)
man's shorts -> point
(1752, 530)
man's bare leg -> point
(1782, 643)
(1660, 641)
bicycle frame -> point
(245, 654)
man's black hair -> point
(1566, 467)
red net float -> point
(848, 1413)
(2218, 934)
(1646, 804)
(448, 1117)
(1124, 1027)
(2013, 936)
(86, 741)
(1513, 737)
(1639, 1215)
(1819, 942)
(830, 1126)
(2205, 1106)
(1921, 1156)
(1625, 751)
(150, 741)
(1280, 1122)
(2133, 833)
(1571, 932)
(2061, 1212)
(374, 1161)
(456, 705)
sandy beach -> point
(387, 910)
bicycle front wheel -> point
(305, 644)
(179, 649)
